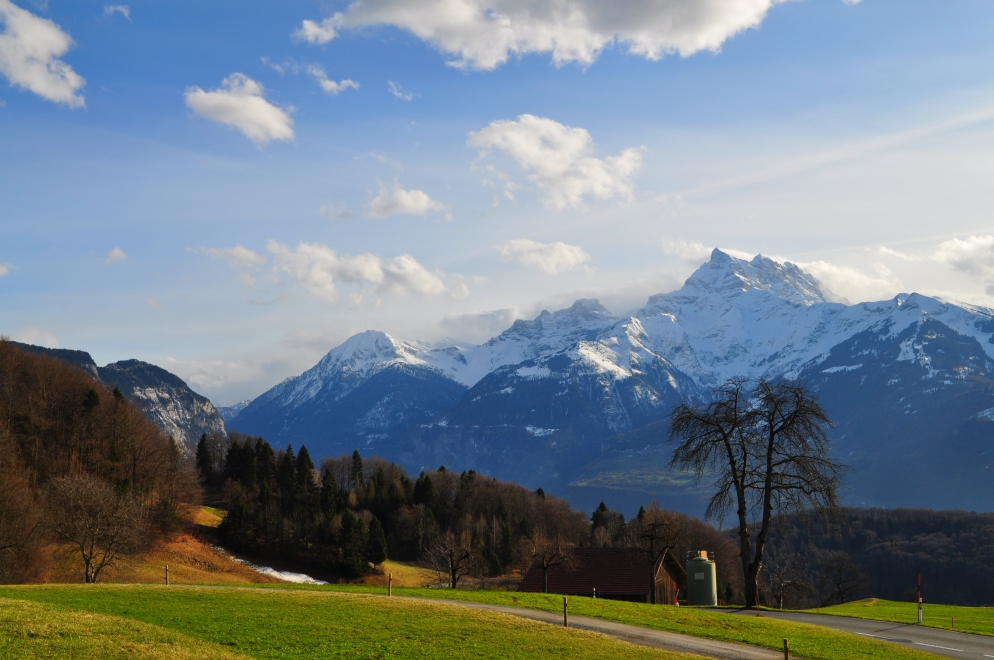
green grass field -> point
(135, 621)
(978, 620)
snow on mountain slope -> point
(760, 318)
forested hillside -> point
(354, 512)
(881, 552)
(67, 441)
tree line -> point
(79, 465)
(354, 512)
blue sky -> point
(202, 202)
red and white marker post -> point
(919, 599)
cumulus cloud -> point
(123, 10)
(316, 33)
(237, 257)
(320, 270)
(330, 86)
(115, 255)
(398, 201)
(553, 258)
(845, 283)
(480, 326)
(398, 91)
(30, 48)
(240, 103)
(559, 159)
(695, 251)
(483, 34)
(973, 256)
(5, 268)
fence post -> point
(786, 650)
(167, 574)
(565, 614)
(389, 584)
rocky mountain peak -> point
(729, 276)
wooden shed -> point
(615, 573)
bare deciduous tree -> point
(785, 578)
(550, 550)
(769, 452)
(654, 533)
(452, 554)
(97, 523)
(840, 578)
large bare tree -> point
(769, 454)
(452, 554)
(549, 550)
(95, 521)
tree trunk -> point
(545, 579)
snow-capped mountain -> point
(577, 399)
(370, 389)
(162, 396)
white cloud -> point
(30, 48)
(399, 92)
(123, 10)
(115, 255)
(483, 34)
(5, 268)
(237, 257)
(559, 159)
(553, 258)
(689, 250)
(398, 201)
(973, 256)
(852, 284)
(332, 212)
(320, 270)
(330, 86)
(239, 102)
(479, 326)
(316, 33)
(36, 336)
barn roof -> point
(609, 570)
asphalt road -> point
(941, 642)
(658, 639)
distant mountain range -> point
(576, 400)
(164, 398)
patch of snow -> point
(986, 414)
(539, 432)
(835, 370)
(534, 372)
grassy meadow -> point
(280, 621)
(111, 621)
(979, 620)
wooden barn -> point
(615, 573)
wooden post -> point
(786, 650)
(953, 622)
(167, 574)
(565, 614)
(390, 584)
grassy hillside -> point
(42, 630)
(166, 622)
(978, 620)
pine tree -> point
(356, 472)
(205, 463)
(376, 549)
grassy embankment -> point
(230, 622)
(978, 620)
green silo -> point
(702, 580)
